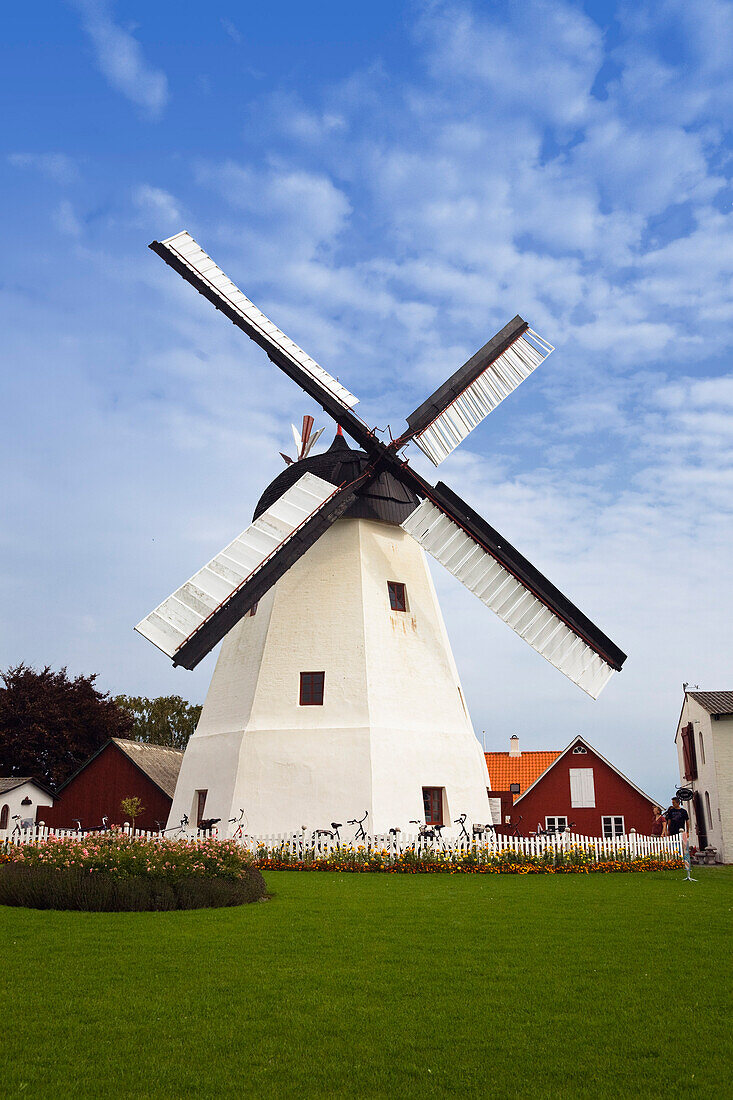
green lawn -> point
(377, 985)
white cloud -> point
(56, 166)
(232, 31)
(120, 59)
(66, 220)
(158, 203)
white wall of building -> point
(14, 801)
(393, 718)
(714, 752)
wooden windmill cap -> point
(385, 499)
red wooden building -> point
(575, 788)
(120, 769)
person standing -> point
(677, 818)
(659, 828)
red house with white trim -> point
(576, 788)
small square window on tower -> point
(311, 689)
(397, 596)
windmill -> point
(302, 507)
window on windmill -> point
(397, 596)
(433, 802)
(311, 689)
(613, 825)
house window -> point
(4, 815)
(556, 824)
(708, 810)
(513, 788)
(253, 609)
(702, 749)
(582, 791)
(397, 596)
(580, 750)
(613, 825)
(311, 689)
(432, 798)
(200, 805)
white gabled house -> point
(704, 741)
(20, 797)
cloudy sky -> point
(391, 182)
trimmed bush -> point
(38, 887)
(113, 871)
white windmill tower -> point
(336, 691)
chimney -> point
(514, 745)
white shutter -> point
(582, 789)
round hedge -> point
(46, 887)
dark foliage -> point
(166, 720)
(72, 888)
(50, 723)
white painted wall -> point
(13, 800)
(715, 776)
(393, 718)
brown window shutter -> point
(689, 755)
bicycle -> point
(425, 832)
(240, 822)
(463, 835)
(360, 832)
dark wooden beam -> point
(501, 549)
(435, 404)
(348, 420)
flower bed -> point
(360, 860)
(113, 871)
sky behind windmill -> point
(391, 183)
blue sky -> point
(391, 183)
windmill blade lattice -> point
(190, 622)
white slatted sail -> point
(472, 405)
(188, 608)
(188, 252)
(512, 601)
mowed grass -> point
(376, 985)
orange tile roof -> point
(523, 769)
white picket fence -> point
(310, 845)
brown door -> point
(702, 830)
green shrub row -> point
(48, 887)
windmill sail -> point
(188, 624)
(461, 403)
(507, 583)
(183, 254)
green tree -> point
(50, 723)
(167, 720)
(132, 808)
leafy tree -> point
(167, 720)
(132, 808)
(50, 723)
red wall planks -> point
(614, 795)
(98, 790)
